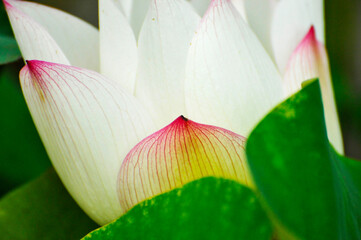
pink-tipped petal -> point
(177, 154)
(231, 81)
(291, 21)
(48, 34)
(6, 4)
(303, 63)
(87, 125)
(163, 46)
(308, 61)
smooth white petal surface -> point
(87, 125)
(163, 45)
(309, 61)
(240, 6)
(231, 82)
(259, 16)
(125, 6)
(200, 5)
(291, 21)
(135, 11)
(118, 47)
(42, 31)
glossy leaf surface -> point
(313, 192)
(209, 208)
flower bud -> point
(177, 154)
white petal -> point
(78, 40)
(118, 47)
(200, 5)
(87, 125)
(33, 40)
(163, 45)
(259, 16)
(135, 11)
(309, 61)
(231, 82)
(292, 19)
(125, 6)
(240, 6)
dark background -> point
(22, 156)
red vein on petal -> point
(198, 150)
(206, 157)
(177, 159)
(210, 143)
(220, 142)
(7, 4)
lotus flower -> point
(94, 94)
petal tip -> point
(311, 34)
(34, 64)
(38, 68)
(310, 37)
(179, 153)
(39, 64)
(183, 118)
(7, 4)
(33, 67)
(25, 69)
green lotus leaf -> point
(311, 191)
(209, 208)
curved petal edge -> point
(177, 154)
(308, 61)
(87, 125)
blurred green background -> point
(22, 156)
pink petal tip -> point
(7, 4)
(310, 37)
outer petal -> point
(163, 46)
(118, 47)
(292, 19)
(177, 154)
(259, 16)
(87, 126)
(231, 82)
(308, 61)
(48, 34)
